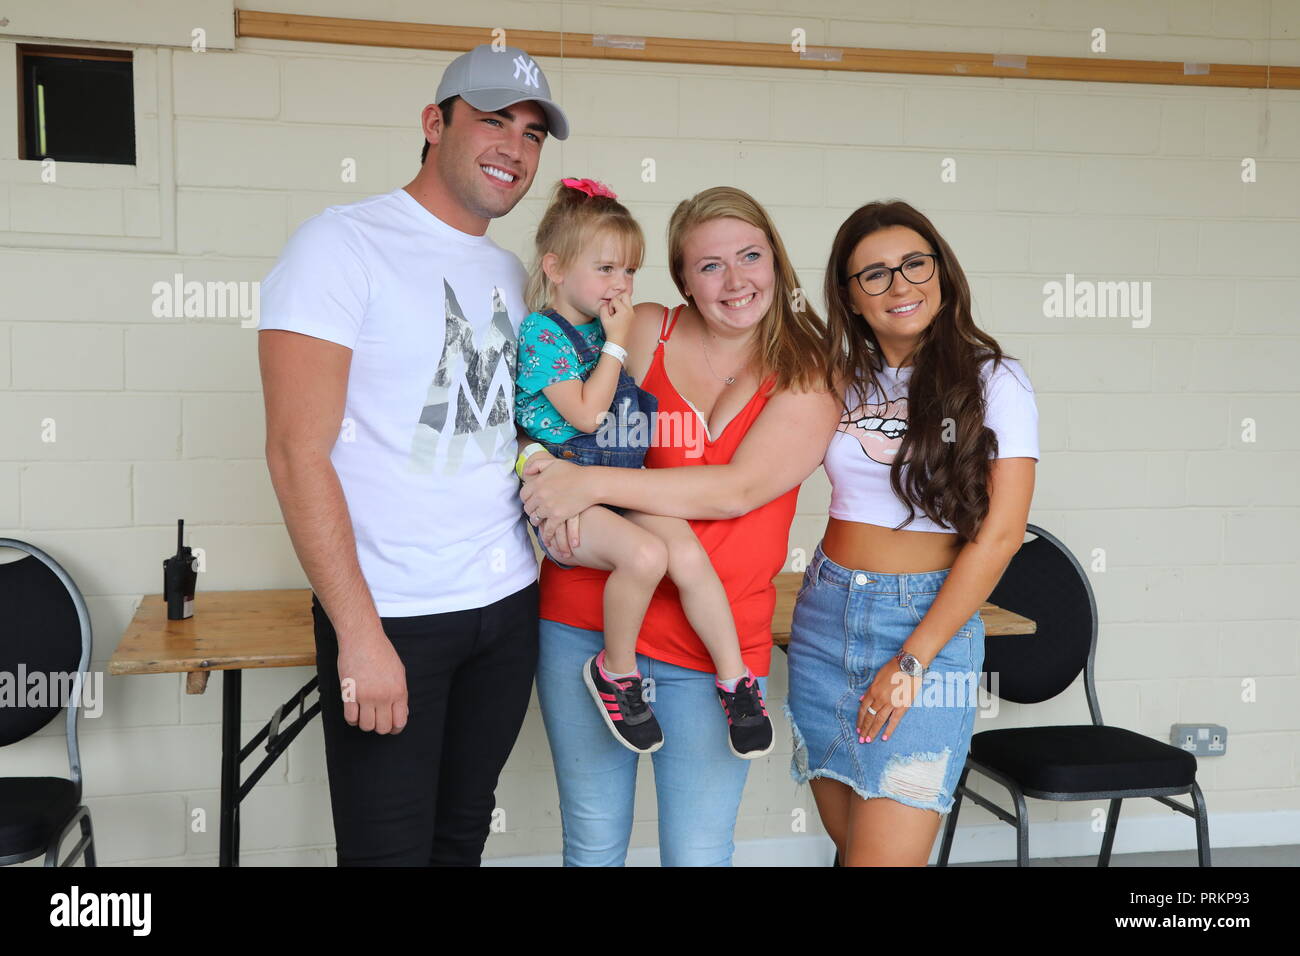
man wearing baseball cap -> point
(388, 349)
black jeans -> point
(425, 797)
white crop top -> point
(858, 459)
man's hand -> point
(540, 455)
(556, 489)
(373, 683)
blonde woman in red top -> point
(744, 417)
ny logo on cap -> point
(529, 69)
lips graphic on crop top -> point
(879, 428)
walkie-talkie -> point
(180, 578)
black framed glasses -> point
(916, 269)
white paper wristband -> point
(615, 350)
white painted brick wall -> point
(1141, 429)
(249, 86)
(96, 212)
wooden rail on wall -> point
(427, 36)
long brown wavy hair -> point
(789, 339)
(947, 480)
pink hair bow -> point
(590, 187)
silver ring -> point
(871, 710)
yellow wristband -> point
(529, 450)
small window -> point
(77, 105)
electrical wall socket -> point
(1204, 740)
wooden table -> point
(235, 630)
(230, 631)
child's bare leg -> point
(637, 561)
(704, 600)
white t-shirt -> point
(862, 449)
(426, 450)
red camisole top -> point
(747, 552)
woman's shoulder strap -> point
(669, 323)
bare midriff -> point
(870, 547)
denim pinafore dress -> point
(621, 441)
(626, 434)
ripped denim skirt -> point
(847, 625)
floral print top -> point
(546, 356)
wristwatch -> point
(909, 665)
(529, 450)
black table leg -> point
(277, 736)
(231, 681)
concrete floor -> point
(1224, 856)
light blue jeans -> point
(698, 780)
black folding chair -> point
(44, 628)
(1044, 582)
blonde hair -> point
(790, 339)
(570, 221)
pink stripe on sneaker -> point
(600, 666)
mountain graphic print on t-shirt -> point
(470, 401)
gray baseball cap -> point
(490, 80)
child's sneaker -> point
(749, 733)
(627, 715)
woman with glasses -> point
(932, 471)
